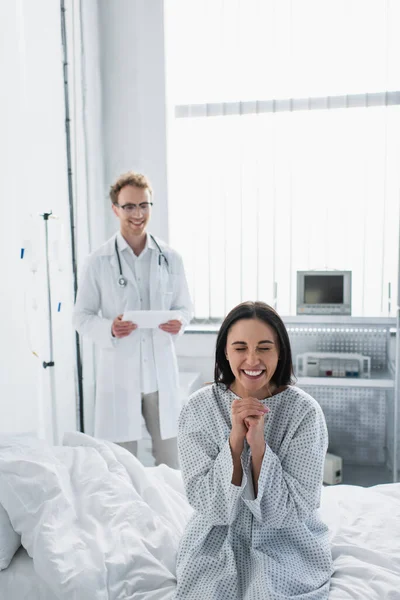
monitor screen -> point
(323, 289)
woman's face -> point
(252, 351)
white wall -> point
(121, 125)
(33, 180)
(133, 96)
(196, 353)
(134, 120)
(135, 117)
(90, 190)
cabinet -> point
(361, 413)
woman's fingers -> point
(248, 413)
(246, 410)
(248, 402)
(249, 421)
(254, 422)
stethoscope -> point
(122, 281)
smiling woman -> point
(253, 338)
(252, 361)
(252, 449)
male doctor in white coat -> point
(137, 371)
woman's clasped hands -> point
(248, 415)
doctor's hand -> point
(120, 328)
(171, 327)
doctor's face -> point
(133, 210)
(252, 351)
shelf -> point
(312, 320)
(379, 380)
(323, 320)
(203, 328)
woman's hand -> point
(255, 433)
(246, 414)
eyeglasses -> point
(143, 207)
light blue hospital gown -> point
(237, 547)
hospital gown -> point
(236, 546)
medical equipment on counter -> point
(333, 469)
(332, 364)
(324, 292)
(122, 281)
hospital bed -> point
(86, 489)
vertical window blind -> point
(284, 148)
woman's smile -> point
(253, 374)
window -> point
(284, 148)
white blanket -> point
(365, 529)
(97, 524)
(100, 526)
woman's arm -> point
(236, 447)
(208, 473)
(256, 463)
(214, 470)
(214, 473)
(288, 487)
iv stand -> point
(50, 363)
(396, 391)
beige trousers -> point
(163, 451)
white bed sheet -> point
(20, 582)
(364, 524)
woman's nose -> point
(252, 358)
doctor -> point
(138, 371)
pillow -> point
(10, 541)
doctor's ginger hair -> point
(129, 178)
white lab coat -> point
(100, 299)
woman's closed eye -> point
(259, 349)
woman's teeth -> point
(252, 373)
